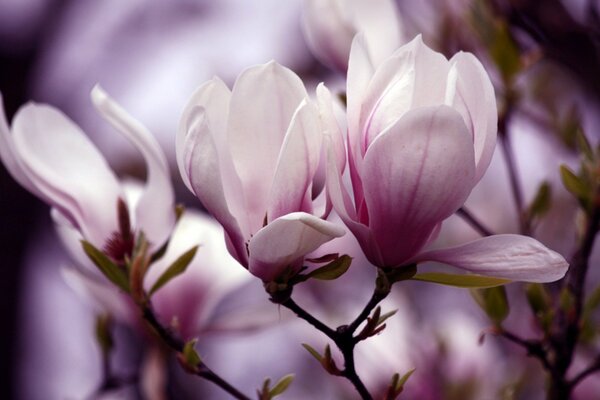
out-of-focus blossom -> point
(52, 158)
(188, 301)
(421, 133)
(250, 155)
(330, 25)
(444, 350)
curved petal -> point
(341, 202)
(284, 242)
(213, 97)
(155, 211)
(471, 92)
(360, 72)
(508, 256)
(68, 170)
(414, 76)
(9, 157)
(204, 172)
(330, 128)
(328, 32)
(297, 164)
(330, 125)
(263, 101)
(380, 22)
(416, 174)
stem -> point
(594, 367)
(465, 214)
(375, 299)
(344, 336)
(305, 315)
(568, 321)
(343, 339)
(176, 344)
(534, 348)
(511, 165)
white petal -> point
(508, 256)
(10, 158)
(470, 91)
(414, 76)
(284, 242)
(296, 165)
(68, 170)
(205, 176)
(212, 97)
(155, 211)
(263, 101)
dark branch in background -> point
(556, 353)
(573, 44)
(465, 214)
(594, 367)
(534, 347)
(507, 151)
(177, 345)
(564, 341)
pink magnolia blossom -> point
(421, 133)
(330, 25)
(52, 158)
(250, 155)
(187, 302)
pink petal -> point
(328, 34)
(212, 101)
(9, 157)
(297, 164)
(360, 72)
(155, 210)
(67, 169)
(470, 91)
(284, 242)
(263, 101)
(330, 126)
(414, 76)
(416, 174)
(340, 199)
(380, 22)
(204, 172)
(213, 97)
(513, 257)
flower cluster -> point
(393, 156)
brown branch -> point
(176, 344)
(465, 214)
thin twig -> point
(511, 165)
(534, 348)
(517, 194)
(176, 344)
(305, 315)
(593, 367)
(343, 339)
(465, 214)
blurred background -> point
(151, 56)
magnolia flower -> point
(52, 158)
(330, 25)
(250, 156)
(421, 133)
(189, 300)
